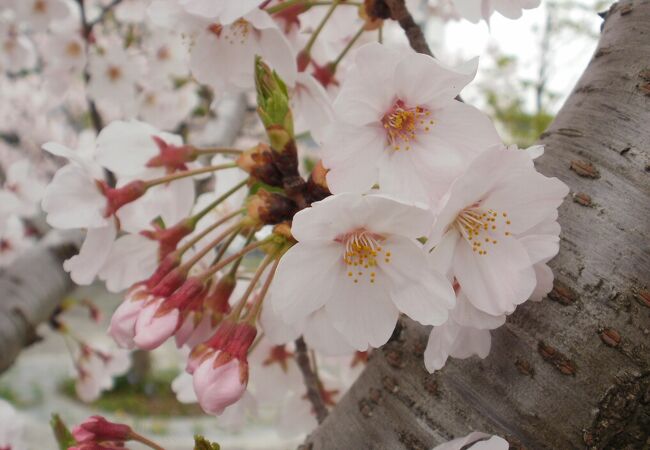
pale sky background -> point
(570, 51)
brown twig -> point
(397, 11)
(312, 382)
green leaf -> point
(201, 443)
(62, 433)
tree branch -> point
(400, 13)
(572, 371)
(312, 383)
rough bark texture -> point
(30, 291)
(572, 371)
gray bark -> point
(30, 291)
(573, 370)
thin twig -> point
(401, 14)
(105, 10)
(312, 383)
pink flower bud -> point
(152, 327)
(98, 429)
(161, 318)
(220, 384)
(122, 327)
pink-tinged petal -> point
(456, 341)
(415, 288)
(311, 106)
(303, 280)
(385, 215)
(275, 329)
(218, 388)
(328, 218)
(544, 276)
(132, 258)
(92, 256)
(469, 9)
(323, 337)
(72, 200)
(351, 155)
(122, 327)
(124, 148)
(466, 315)
(541, 247)
(362, 312)
(430, 81)
(498, 281)
(475, 441)
(528, 198)
(360, 102)
(399, 175)
(152, 329)
(441, 257)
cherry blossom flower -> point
(22, 190)
(475, 441)
(465, 334)
(475, 10)
(113, 75)
(40, 14)
(17, 51)
(223, 55)
(478, 234)
(96, 369)
(397, 124)
(357, 258)
(224, 12)
(13, 240)
(66, 51)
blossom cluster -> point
(403, 199)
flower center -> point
(40, 7)
(235, 33)
(481, 227)
(5, 245)
(73, 49)
(362, 253)
(403, 124)
(114, 73)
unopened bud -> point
(270, 207)
(283, 229)
(273, 105)
(98, 429)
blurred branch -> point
(312, 382)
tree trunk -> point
(30, 291)
(573, 370)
